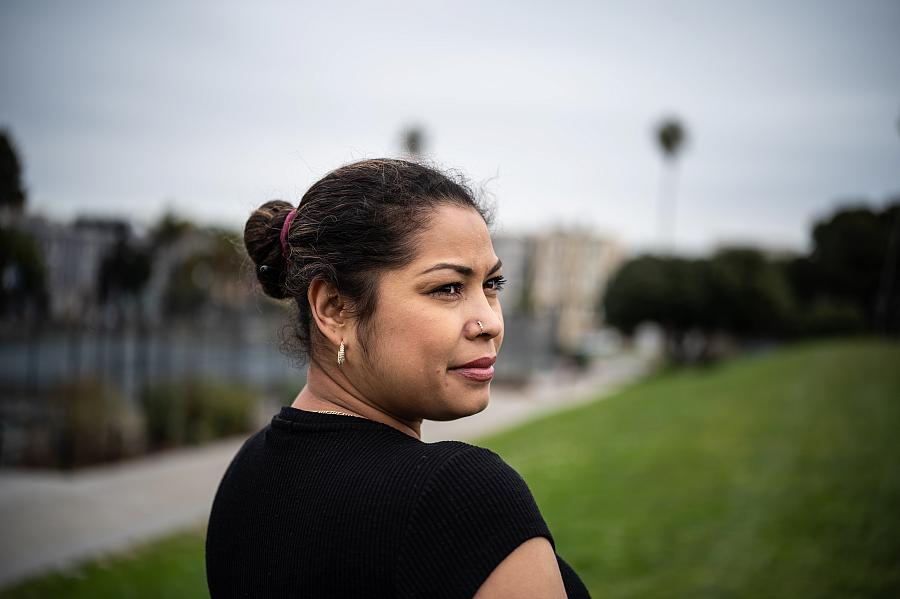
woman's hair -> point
(352, 225)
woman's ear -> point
(327, 308)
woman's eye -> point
(449, 290)
(495, 284)
(454, 290)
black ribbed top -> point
(322, 505)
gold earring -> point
(341, 354)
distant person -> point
(397, 292)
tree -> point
(850, 252)
(671, 137)
(124, 271)
(637, 293)
(414, 141)
(887, 307)
(738, 291)
(12, 193)
(22, 272)
(169, 229)
(750, 294)
(841, 288)
(672, 292)
(209, 278)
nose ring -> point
(480, 326)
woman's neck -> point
(325, 391)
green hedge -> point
(194, 412)
(93, 424)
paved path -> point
(52, 520)
(547, 394)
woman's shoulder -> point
(473, 511)
(475, 482)
(461, 462)
(448, 453)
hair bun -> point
(262, 238)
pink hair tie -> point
(284, 232)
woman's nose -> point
(488, 323)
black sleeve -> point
(472, 513)
(575, 589)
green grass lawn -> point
(173, 567)
(771, 476)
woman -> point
(397, 294)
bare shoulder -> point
(529, 572)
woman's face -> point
(425, 333)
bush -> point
(829, 316)
(93, 423)
(193, 412)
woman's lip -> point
(481, 363)
(476, 374)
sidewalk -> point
(52, 520)
(546, 394)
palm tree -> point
(414, 141)
(671, 137)
(888, 274)
(12, 191)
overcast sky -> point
(213, 108)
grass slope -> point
(171, 567)
(773, 476)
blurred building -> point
(528, 343)
(73, 254)
(568, 274)
(513, 251)
(558, 279)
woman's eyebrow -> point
(463, 270)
